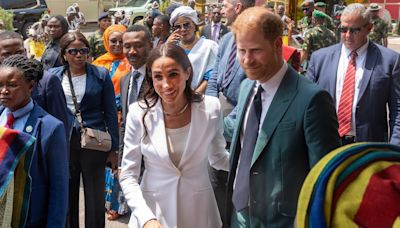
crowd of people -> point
(185, 124)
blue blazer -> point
(98, 107)
(231, 92)
(48, 93)
(380, 86)
(49, 174)
(299, 128)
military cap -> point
(103, 15)
(320, 4)
(374, 7)
(307, 3)
(318, 14)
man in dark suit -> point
(215, 30)
(363, 78)
(137, 45)
(283, 125)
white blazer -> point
(176, 196)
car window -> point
(17, 4)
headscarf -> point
(108, 58)
(184, 11)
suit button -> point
(254, 202)
(255, 173)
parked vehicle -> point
(26, 12)
(134, 9)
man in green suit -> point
(282, 125)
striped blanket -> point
(16, 150)
(357, 185)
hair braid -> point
(31, 68)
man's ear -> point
(239, 8)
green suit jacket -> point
(299, 128)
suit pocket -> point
(286, 125)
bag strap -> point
(77, 111)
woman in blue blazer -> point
(41, 176)
(96, 101)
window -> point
(18, 4)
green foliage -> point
(7, 18)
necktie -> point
(241, 193)
(346, 99)
(231, 62)
(10, 120)
(214, 35)
(133, 87)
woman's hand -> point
(152, 224)
(175, 37)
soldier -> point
(96, 39)
(380, 29)
(318, 37)
(305, 23)
(321, 6)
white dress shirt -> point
(215, 26)
(79, 83)
(341, 72)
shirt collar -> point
(22, 111)
(218, 24)
(273, 83)
(142, 69)
(360, 51)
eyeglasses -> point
(216, 13)
(354, 31)
(184, 26)
(74, 51)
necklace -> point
(178, 113)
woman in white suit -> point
(177, 132)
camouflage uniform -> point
(96, 45)
(317, 38)
(379, 31)
(329, 23)
(305, 24)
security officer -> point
(321, 6)
(305, 23)
(96, 39)
(317, 37)
(379, 32)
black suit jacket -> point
(206, 32)
(125, 81)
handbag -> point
(92, 139)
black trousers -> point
(91, 164)
(218, 179)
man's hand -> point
(112, 160)
(152, 224)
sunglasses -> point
(184, 26)
(344, 29)
(305, 9)
(74, 51)
(216, 13)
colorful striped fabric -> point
(16, 149)
(357, 185)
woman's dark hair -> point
(31, 68)
(70, 37)
(178, 54)
(63, 22)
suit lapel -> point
(335, 57)
(200, 118)
(246, 90)
(370, 62)
(279, 105)
(156, 129)
(124, 90)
